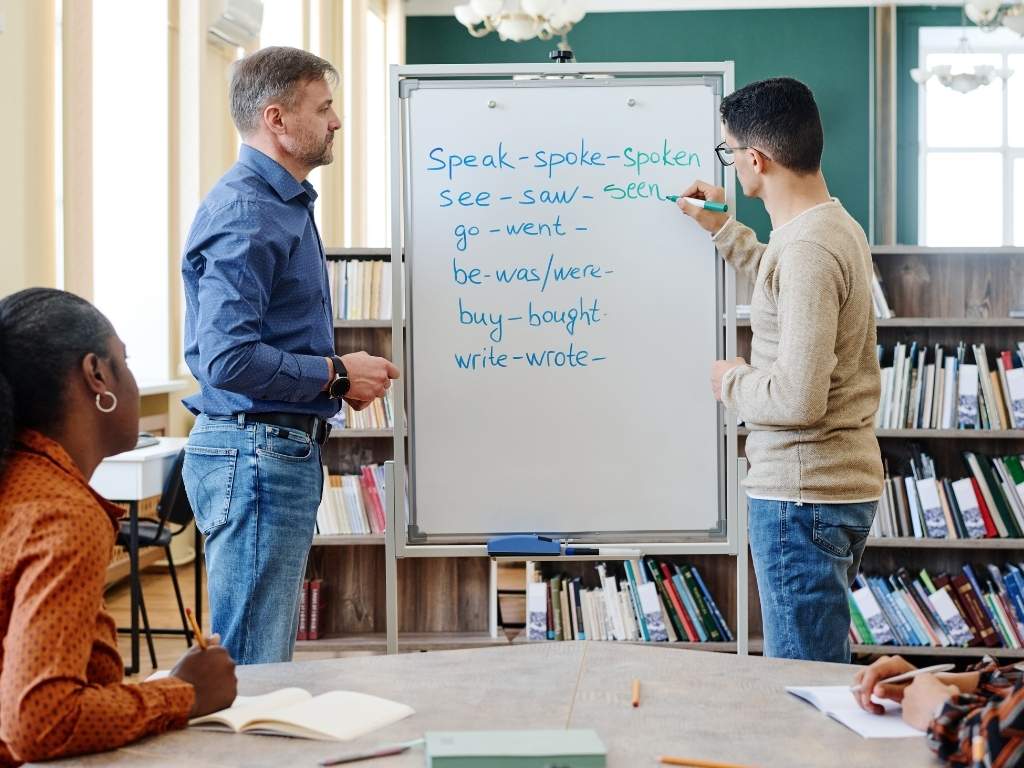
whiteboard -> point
(561, 315)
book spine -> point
(979, 616)
(303, 631)
(857, 620)
(316, 608)
(723, 626)
(705, 612)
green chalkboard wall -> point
(829, 49)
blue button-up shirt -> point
(258, 317)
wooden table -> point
(696, 704)
(131, 477)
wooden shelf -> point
(362, 324)
(352, 434)
(347, 540)
(928, 650)
(938, 322)
(928, 250)
(938, 434)
(424, 641)
(903, 542)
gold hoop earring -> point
(113, 402)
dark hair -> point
(44, 334)
(779, 117)
(272, 75)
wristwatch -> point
(340, 384)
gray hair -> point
(273, 75)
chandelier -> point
(988, 14)
(992, 14)
(524, 20)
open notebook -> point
(334, 716)
(837, 702)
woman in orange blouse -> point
(67, 400)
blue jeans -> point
(805, 557)
(255, 491)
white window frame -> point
(934, 40)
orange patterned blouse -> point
(61, 689)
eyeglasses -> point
(725, 153)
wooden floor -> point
(163, 612)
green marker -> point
(710, 205)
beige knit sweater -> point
(810, 392)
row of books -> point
(975, 607)
(378, 415)
(957, 388)
(987, 503)
(651, 601)
(311, 609)
(361, 290)
(352, 504)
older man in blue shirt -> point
(259, 337)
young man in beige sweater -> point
(810, 391)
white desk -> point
(131, 477)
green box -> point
(515, 749)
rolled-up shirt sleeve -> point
(237, 272)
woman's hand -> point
(868, 678)
(922, 699)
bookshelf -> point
(940, 296)
(444, 603)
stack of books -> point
(651, 601)
(361, 290)
(975, 607)
(956, 388)
(987, 503)
(352, 504)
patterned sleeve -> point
(993, 716)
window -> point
(972, 144)
(375, 71)
(130, 178)
(284, 23)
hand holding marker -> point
(709, 205)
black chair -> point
(174, 515)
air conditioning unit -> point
(238, 25)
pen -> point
(710, 205)
(636, 693)
(570, 551)
(200, 640)
(908, 675)
(370, 754)
(693, 762)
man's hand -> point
(212, 675)
(356, 405)
(711, 221)
(922, 698)
(868, 677)
(718, 370)
(370, 377)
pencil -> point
(693, 762)
(200, 640)
(636, 693)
